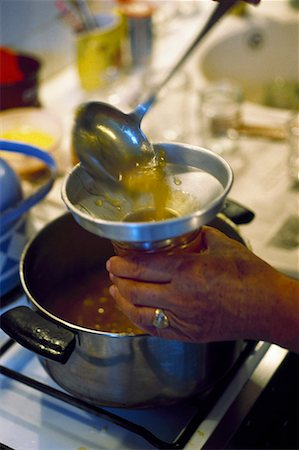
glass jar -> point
(187, 243)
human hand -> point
(213, 295)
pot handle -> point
(38, 334)
(237, 213)
(11, 214)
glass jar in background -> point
(137, 17)
(220, 117)
(293, 158)
(99, 52)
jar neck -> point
(186, 242)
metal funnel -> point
(199, 179)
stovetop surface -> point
(273, 421)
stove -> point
(37, 414)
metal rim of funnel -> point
(176, 153)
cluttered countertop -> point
(261, 183)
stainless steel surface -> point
(242, 404)
(110, 368)
(199, 179)
(108, 141)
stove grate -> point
(204, 405)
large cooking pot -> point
(106, 368)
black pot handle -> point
(237, 213)
(38, 334)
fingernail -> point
(112, 290)
(111, 276)
(108, 264)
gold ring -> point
(160, 319)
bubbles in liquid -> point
(84, 300)
(177, 181)
(109, 199)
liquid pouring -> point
(198, 181)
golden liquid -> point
(149, 179)
(85, 301)
(150, 215)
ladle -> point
(108, 140)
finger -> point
(143, 293)
(152, 268)
(143, 316)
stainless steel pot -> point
(106, 368)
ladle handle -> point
(219, 11)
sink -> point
(261, 54)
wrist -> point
(283, 324)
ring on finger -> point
(160, 319)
